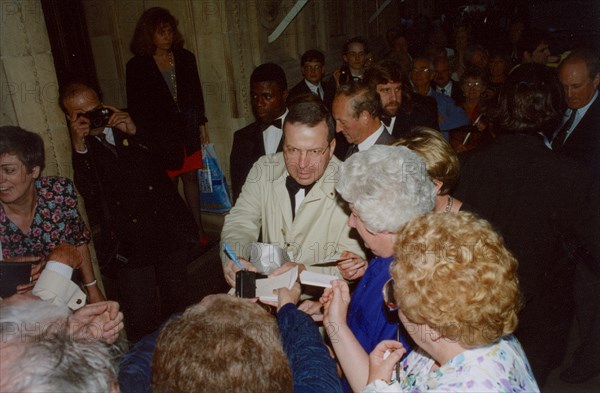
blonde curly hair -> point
(454, 273)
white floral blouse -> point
(499, 367)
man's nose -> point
(351, 221)
(395, 95)
(303, 160)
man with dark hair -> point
(354, 54)
(401, 109)
(268, 92)
(579, 138)
(289, 200)
(312, 65)
(356, 110)
(534, 47)
(153, 228)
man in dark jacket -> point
(151, 223)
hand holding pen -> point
(351, 266)
(235, 264)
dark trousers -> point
(145, 309)
(587, 312)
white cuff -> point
(60, 268)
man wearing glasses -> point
(356, 110)
(289, 200)
(312, 65)
(450, 115)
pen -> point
(232, 256)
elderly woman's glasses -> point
(388, 295)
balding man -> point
(579, 138)
(356, 110)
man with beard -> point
(401, 110)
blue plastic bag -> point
(214, 196)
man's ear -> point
(285, 95)
(438, 185)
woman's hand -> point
(101, 321)
(36, 270)
(335, 302)
(204, 138)
(383, 360)
(351, 266)
(312, 308)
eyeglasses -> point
(388, 295)
(473, 84)
(312, 154)
(312, 68)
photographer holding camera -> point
(153, 230)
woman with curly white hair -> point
(456, 291)
(385, 187)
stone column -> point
(29, 88)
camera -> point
(99, 117)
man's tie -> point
(276, 123)
(351, 150)
(319, 93)
(293, 188)
(561, 135)
(443, 91)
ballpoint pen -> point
(232, 256)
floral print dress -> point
(56, 220)
(499, 367)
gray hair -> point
(41, 355)
(388, 185)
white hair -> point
(387, 186)
(40, 354)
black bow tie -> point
(293, 186)
(275, 123)
(386, 120)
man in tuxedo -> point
(153, 228)
(312, 65)
(289, 200)
(442, 83)
(579, 138)
(356, 110)
(401, 109)
(268, 92)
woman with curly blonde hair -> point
(458, 297)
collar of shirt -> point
(447, 89)
(371, 139)
(109, 135)
(313, 88)
(272, 136)
(579, 115)
(390, 128)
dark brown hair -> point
(150, 21)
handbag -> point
(214, 194)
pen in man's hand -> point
(232, 256)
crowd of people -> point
(453, 188)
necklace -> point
(173, 76)
(449, 204)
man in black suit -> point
(312, 65)
(442, 83)
(579, 138)
(268, 90)
(356, 111)
(401, 109)
(153, 228)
